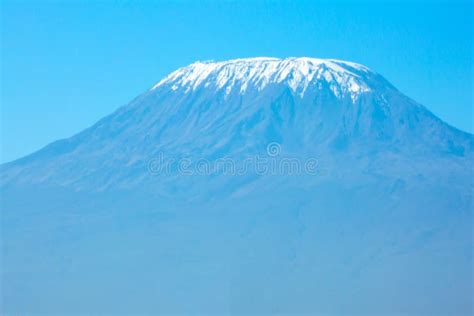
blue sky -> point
(65, 65)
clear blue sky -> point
(65, 64)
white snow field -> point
(93, 225)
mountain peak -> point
(342, 77)
(234, 109)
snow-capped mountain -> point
(234, 109)
(382, 227)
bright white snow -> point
(298, 73)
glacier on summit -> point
(297, 73)
(383, 227)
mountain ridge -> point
(297, 72)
